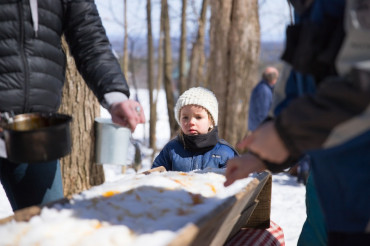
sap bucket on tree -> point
(111, 142)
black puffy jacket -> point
(32, 65)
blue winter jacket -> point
(259, 105)
(174, 157)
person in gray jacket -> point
(261, 98)
(32, 74)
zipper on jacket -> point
(23, 56)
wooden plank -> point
(156, 169)
(260, 217)
(239, 215)
(243, 199)
(215, 228)
(22, 215)
(258, 208)
(25, 214)
(243, 218)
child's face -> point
(194, 120)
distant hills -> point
(270, 51)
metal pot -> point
(37, 137)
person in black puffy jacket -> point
(32, 74)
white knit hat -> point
(198, 96)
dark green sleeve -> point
(338, 112)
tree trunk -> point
(196, 72)
(79, 170)
(168, 68)
(153, 108)
(159, 78)
(125, 40)
(233, 62)
(183, 58)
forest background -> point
(174, 45)
(244, 36)
(198, 30)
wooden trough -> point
(249, 208)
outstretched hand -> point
(241, 167)
(128, 113)
(263, 142)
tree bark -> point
(159, 78)
(233, 62)
(125, 40)
(183, 58)
(153, 108)
(196, 72)
(168, 68)
(79, 171)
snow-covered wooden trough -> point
(162, 208)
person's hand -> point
(241, 146)
(241, 167)
(128, 113)
(266, 143)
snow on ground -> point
(288, 208)
(288, 197)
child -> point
(197, 146)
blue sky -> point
(274, 16)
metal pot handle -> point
(3, 153)
(6, 117)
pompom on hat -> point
(198, 96)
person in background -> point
(329, 42)
(32, 74)
(197, 146)
(261, 98)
